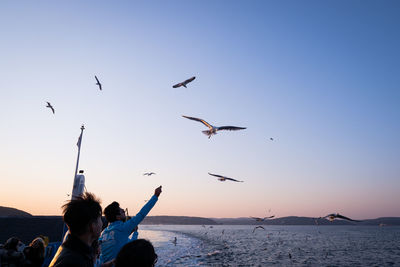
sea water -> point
(227, 245)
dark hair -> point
(80, 212)
(11, 243)
(136, 253)
(112, 211)
(34, 253)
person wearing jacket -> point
(117, 233)
(83, 218)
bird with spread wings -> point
(331, 217)
(224, 178)
(258, 227)
(50, 106)
(149, 173)
(258, 219)
(213, 129)
(98, 83)
(184, 83)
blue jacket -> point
(116, 235)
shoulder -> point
(67, 257)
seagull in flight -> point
(224, 178)
(184, 83)
(149, 173)
(213, 129)
(98, 82)
(50, 106)
(333, 216)
(258, 227)
(272, 139)
(262, 219)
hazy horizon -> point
(320, 78)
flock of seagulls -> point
(212, 130)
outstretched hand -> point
(158, 191)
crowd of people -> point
(15, 253)
(86, 242)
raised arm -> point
(134, 221)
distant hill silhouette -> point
(294, 220)
(177, 220)
(28, 228)
(11, 212)
(14, 222)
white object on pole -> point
(79, 186)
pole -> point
(76, 172)
(79, 150)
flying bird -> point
(224, 178)
(149, 173)
(50, 106)
(98, 82)
(213, 129)
(262, 219)
(184, 83)
(272, 139)
(333, 216)
(260, 227)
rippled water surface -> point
(225, 245)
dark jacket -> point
(11, 258)
(73, 252)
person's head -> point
(113, 212)
(83, 215)
(13, 243)
(39, 245)
(136, 253)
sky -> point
(320, 77)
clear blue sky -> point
(320, 77)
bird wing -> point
(231, 128)
(216, 175)
(189, 80)
(346, 218)
(233, 180)
(199, 120)
(48, 104)
(52, 109)
(270, 217)
(177, 85)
